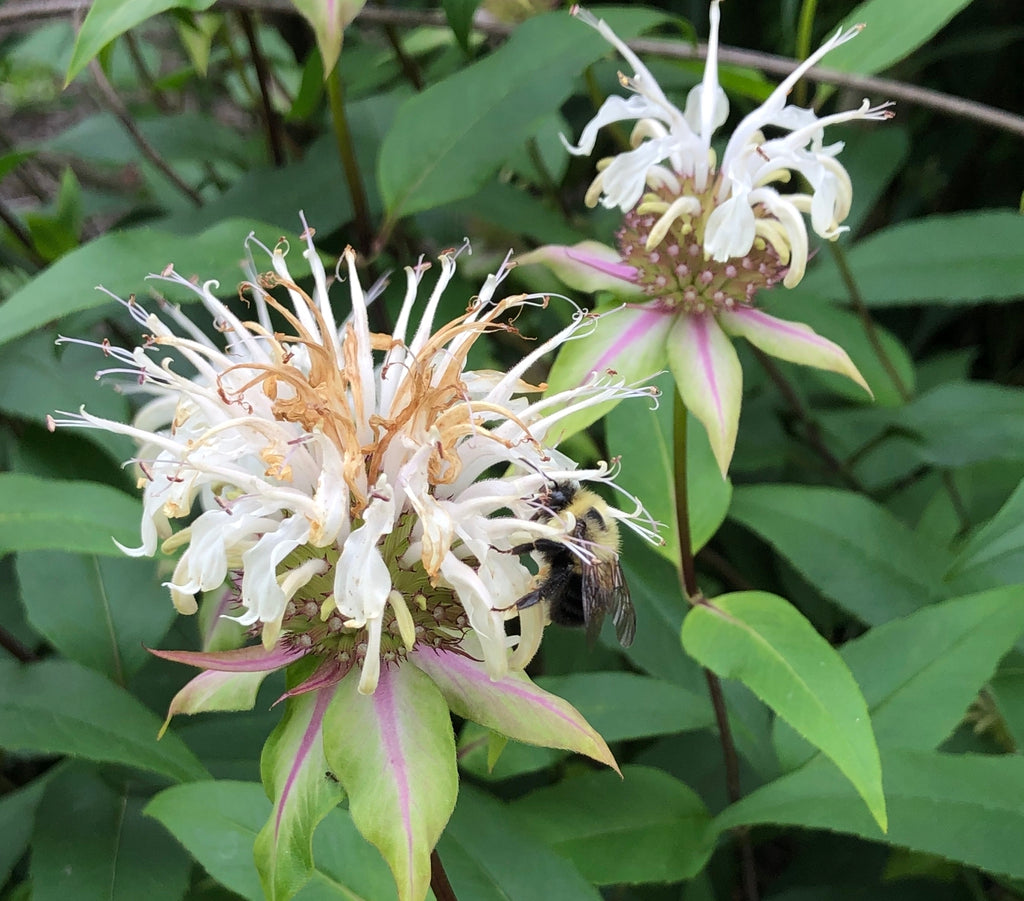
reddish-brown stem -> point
(443, 890)
(692, 592)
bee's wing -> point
(623, 612)
(604, 591)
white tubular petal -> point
(362, 580)
(261, 593)
(364, 379)
(406, 626)
(485, 621)
(614, 109)
(531, 630)
(370, 675)
(730, 229)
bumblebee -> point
(580, 586)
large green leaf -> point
(994, 555)
(642, 434)
(919, 674)
(448, 140)
(958, 258)
(92, 843)
(217, 822)
(490, 856)
(958, 423)
(967, 808)
(17, 816)
(765, 643)
(35, 382)
(394, 753)
(83, 517)
(59, 707)
(624, 706)
(119, 261)
(851, 549)
(894, 29)
(645, 827)
(108, 19)
(99, 611)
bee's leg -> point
(544, 545)
(529, 599)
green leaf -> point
(59, 707)
(217, 824)
(645, 827)
(658, 599)
(460, 19)
(83, 517)
(994, 555)
(108, 19)
(967, 422)
(919, 674)
(17, 816)
(448, 140)
(851, 549)
(643, 435)
(959, 258)
(394, 753)
(490, 856)
(766, 644)
(297, 778)
(622, 706)
(120, 261)
(36, 381)
(92, 843)
(894, 29)
(968, 808)
(101, 612)
(1007, 689)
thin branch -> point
(259, 62)
(22, 12)
(692, 593)
(114, 103)
(145, 76)
(20, 233)
(811, 429)
(15, 648)
(349, 161)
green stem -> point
(692, 592)
(347, 153)
(904, 391)
(868, 324)
(804, 31)
(687, 570)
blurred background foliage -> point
(175, 138)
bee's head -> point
(557, 496)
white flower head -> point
(672, 177)
(337, 473)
